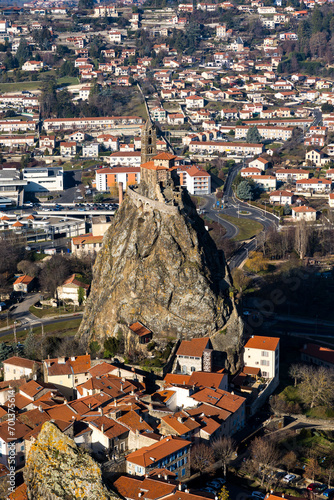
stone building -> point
(148, 142)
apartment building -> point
(171, 452)
(17, 126)
(107, 178)
(210, 147)
(11, 186)
(269, 133)
(125, 158)
(314, 185)
(291, 174)
(99, 123)
(196, 180)
(19, 141)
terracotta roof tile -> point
(21, 362)
(130, 487)
(193, 347)
(323, 353)
(139, 329)
(267, 343)
(148, 455)
(23, 279)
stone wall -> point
(142, 201)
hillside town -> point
(196, 139)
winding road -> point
(232, 206)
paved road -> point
(233, 207)
(37, 322)
(72, 182)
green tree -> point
(253, 135)
(245, 190)
(68, 69)
(31, 346)
(23, 52)
(94, 346)
(98, 198)
(25, 159)
(110, 347)
(81, 295)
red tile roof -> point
(86, 239)
(139, 329)
(72, 280)
(23, 279)
(148, 455)
(316, 351)
(132, 488)
(193, 347)
(266, 343)
(67, 366)
(21, 362)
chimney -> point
(102, 428)
(40, 409)
(120, 193)
(282, 495)
(166, 477)
(159, 476)
(100, 411)
(140, 419)
(180, 486)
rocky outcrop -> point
(157, 265)
(57, 469)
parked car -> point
(289, 478)
(329, 493)
(313, 486)
(258, 495)
(321, 488)
(209, 490)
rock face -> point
(158, 265)
(57, 469)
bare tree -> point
(240, 279)
(202, 458)
(312, 469)
(264, 454)
(317, 386)
(295, 372)
(223, 449)
(290, 460)
(301, 238)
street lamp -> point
(265, 206)
(14, 328)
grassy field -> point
(19, 86)
(247, 227)
(65, 328)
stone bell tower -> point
(148, 141)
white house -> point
(73, 290)
(316, 157)
(15, 368)
(265, 182)
(13, 439)
(281, 197)
(259, 163)
(263, 353)
(68, 148)
(91, 150)
(194, 102)
(191, 357)
(304, 213)
(32, 66)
